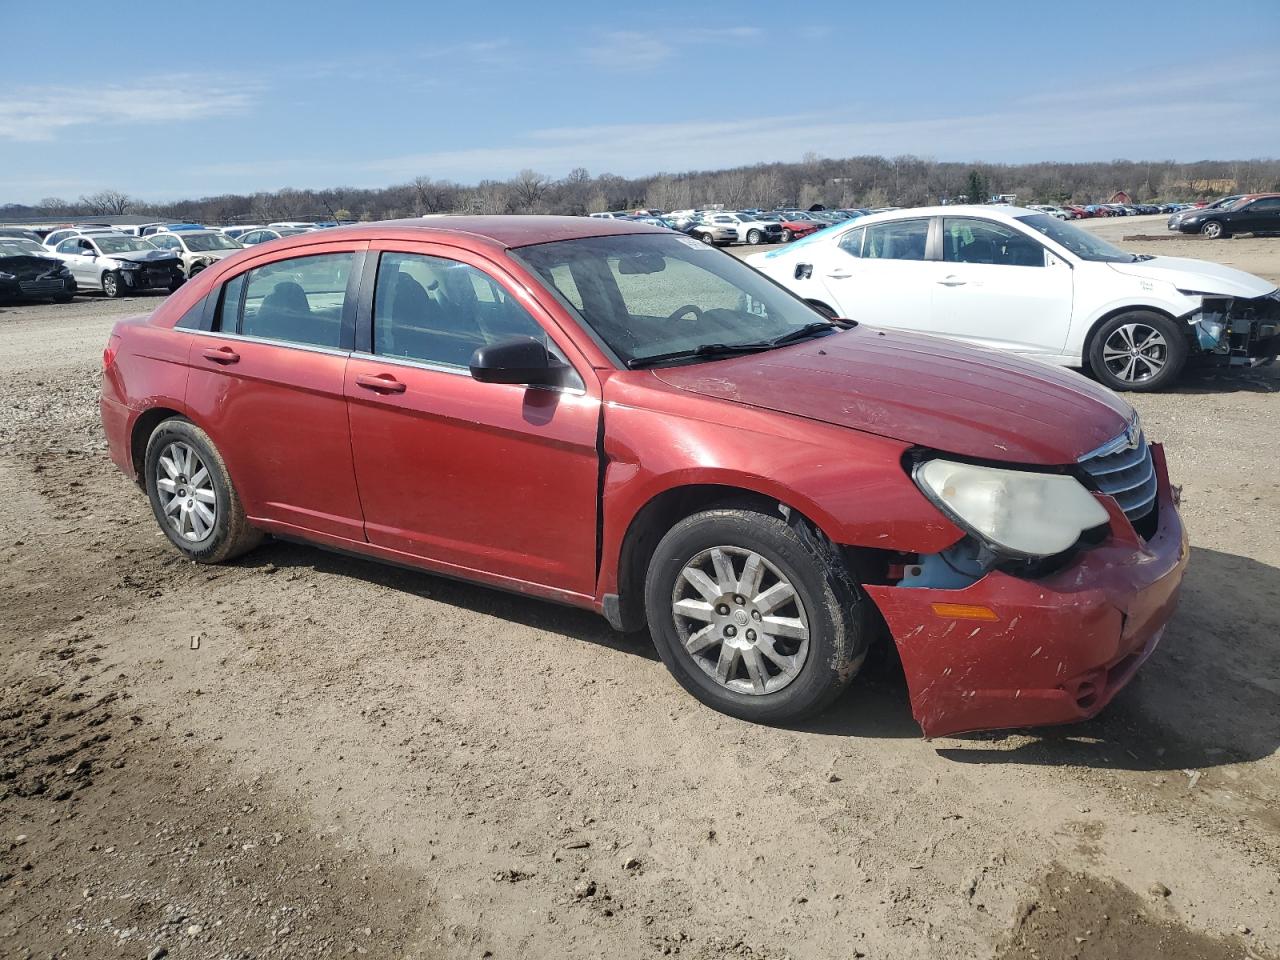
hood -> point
(922, 390)
(1198, 275)
(143, 256)
(29, 266)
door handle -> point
(839, 275)
(220, 355)
(952, 282)
(381, 383)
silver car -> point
(118, 264)
(196, 249)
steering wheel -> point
(687, 308)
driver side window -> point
(967, 240)
(70, 245)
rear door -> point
(877, 274)
(495, 480)
(999, 287)
(266, 383)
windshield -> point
(199, 243)
(1083, 244)
(110, 245)
(18, 247)
(647, 295)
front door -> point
(875, 274)
(495, 480)
(998, 287)
(81, 259)
(267, 385)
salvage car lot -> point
(321, 754)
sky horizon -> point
(194, 104)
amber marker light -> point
(964, 611)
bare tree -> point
(527, 189)
(108, 201)
(431, 196)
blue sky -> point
(186, 100)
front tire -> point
(754, 617)
(192, 496)
(787, 235)
(1214, 230)
(753, 237)
(111, 287)
(1139, 350)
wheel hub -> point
(741, 620)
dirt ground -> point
(305, 755)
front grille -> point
(40, 288)
(1127, 474)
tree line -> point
(865, 181)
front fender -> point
(851, 484)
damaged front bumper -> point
(1238, 332)
(1059, 647)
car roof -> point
(989, 211)
(506, 231)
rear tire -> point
(1140, 350)
(192, 496)
(706, 238)
(786, 645)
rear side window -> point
(851, 242)
(297, 301)
(896, 240)
(438, 310)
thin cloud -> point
(633, 50)
(39, 113)
(1019, 133)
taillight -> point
(109, 352)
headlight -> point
(1031, 514)
(129, 265)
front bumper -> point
(1062, 646)
(1237, 332)
(152, 278)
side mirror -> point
(521, 360)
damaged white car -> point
(1020, 280)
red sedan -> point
(613, 416)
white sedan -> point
(1014, 279)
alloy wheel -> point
(1135, 352)
(110, 284)
(185, 489)
(1212, 229)
(740, 620)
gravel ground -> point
(308, 755)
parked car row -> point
(1257, 213)
(752, 226)
(117, 260)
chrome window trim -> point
(457, 371)
(266, 341)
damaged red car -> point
(611, 415)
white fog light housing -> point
(1014, 511)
